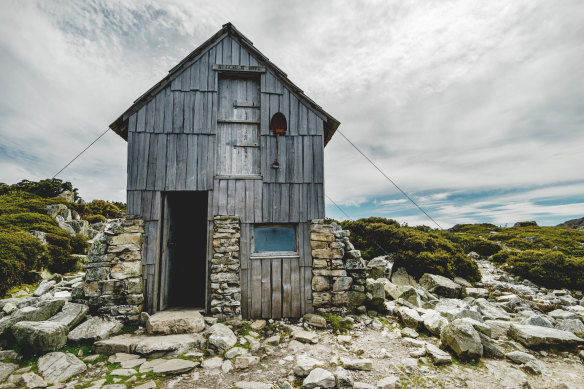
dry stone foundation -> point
(225, 267)
(113, 279)
(337, 268)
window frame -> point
(274, 254)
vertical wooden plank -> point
(303, 200)
(286, 289)
(318, 161)
(320, 209)
(168, 113)
(178, 111)
(130, 202)
(137, 201)
(143, 163)
(150, 111)
(302, 119)
(230, 197)
(155, 206)
(186, 80)
(195, 80)
(248, 212)
(171, 162)
(244, 261)
(191, 179)
(291, 158)
(176, 84)
(258, 206)
(141, 121)
(210, 126)
(130, 162)
(293, 120)
(244, 57)
(223, 194)
(298, 165)
(244, 244)
(266, 288)
(211, 74)
(308, 157)
(264, 114)
(201, 162)
(276, 210)
(297, 293)
(227, 50)
(161, 163)
(188, 112)
(219, 53)
(146, 205)
(204, 72)
(211, 147)
(266, 202)
(276, 288)
(294, 203)
(239, 198)
(234, 52)
(312, 122)
(159, 114)
(253, 60)
(215, 199)
(243, 276)
(285, 203)
(283, 158)
(256, 288)
(181, 162)
(152, 161)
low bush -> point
(59, 258)
(29, 221)
(418, 250)
(469, 243)
(79, 244)
(104, 208)
(96, 219)
(43, 188)
(19, 253)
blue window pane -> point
(274, 239)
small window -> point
(274, 239)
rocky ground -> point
(501, 333)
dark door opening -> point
(184, 250)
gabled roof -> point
(120, 125)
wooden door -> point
(167, 249)
(238, 119)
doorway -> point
(183, 262)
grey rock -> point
(491, 311)
(96, 328)
(42, 311)
(490, 348)
(59, 367)
(538, 320)
(168, 346)
(560, 314)
(380, 267)
(252, 385)
(531, 367)
(344, 379)
(146, 385)
(390, 382)
(305, 364)
(258, 324)
(44, 287)
(71, 315)
(357, 364)
(401, 277)
(319, 378)
(175, 322)
(499, 328)
(441, 286)
(235, 352)
(273, 340)
(536, 336)
(363, 385)
(40, 336)
(409, 332)
(439, 357)
(174, 366)
(573, 325)
(305, 336)
(453, 309)
(462, 282)
(463, 339)
(434, 321)
(477, 325)
(8, 354)
(123, 372)
(476, 292)
(245, 361)
(213, 363)
(410, 317)
(6, 369)
(315, 320)
(117, 344)
(221, 338)
(32, 380)
(520, 357)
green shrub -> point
(96, 219)
(104, 208)
(526, 224)
(43, 188)
(417, 249)
(19, 253)
(29, 221)
(59, 254)
(469, 243)
(550, 268)
(501, 257)
(79, 244)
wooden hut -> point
(226, 133)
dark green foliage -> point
(59, 254)
(19, 253)
(29, 221)
(44, 188)
(501, 257)
(469, 243)
(526, 224)
(419, 250)
(104, 208)
(550, 268)
(96, 219)
(79, 244)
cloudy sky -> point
(475, 108)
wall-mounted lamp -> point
(278, 126)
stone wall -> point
(113, 275)
(225, 268)
(337, 268)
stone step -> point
(175, 321)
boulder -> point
(305, 336)
(117, 344)
(40, 336)
(560, 314)
(520, 357)
(58, 367)
(258, 324)
(536, 336)
(453, 309)
(32, 380)
(376, 291)
(174, 366)
(245, 361)
(175, 322)
(380, 267)
(44, 287)
(401, 277)
(221, 338)
(96, 328)
(319, 378)
(305, 364)
(434, 322)
(315, 320)
(476, 292)
(168, 346)
(490, 348)
(6, 369)
(499, 328)
(573, 325)
(357, 364)
(410, 317)
(344, 379)
(390, 382)
(477, 325)
(235, 352)
(491, 311)
(441, 286)
(463, 339)
(213, 363)
(42, 311)
(71, 314)
(538, 320)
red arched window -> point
(278, 124)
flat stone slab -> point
(357, 364)
(59, 367)
(252, 385)
(123, 372)
(32, 380)
(167, 345)
(40, 336)
(305, 336)
(174, 366)
(96, 328)
(6, 369)
(536, 336)
(117, 344)
(175, 322)
(71, 314)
